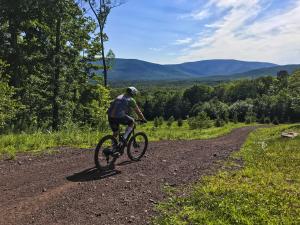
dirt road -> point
(64, 188)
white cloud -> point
(155, 49)
(196, 15)
(242, 35)
(183, 41)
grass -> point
(38, 142)
(265, 191)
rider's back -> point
(120, 106)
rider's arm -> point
(139, 112)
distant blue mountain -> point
(271, 71)
(219, 67)
(138, 70)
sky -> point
(176, 31)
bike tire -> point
(131, 147)
(99, 150)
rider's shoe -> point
(116, 154)
(115, 150)
(107, 151)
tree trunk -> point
(103, 60)
(55, 106)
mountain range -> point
(138, 70)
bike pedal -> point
(116, 154)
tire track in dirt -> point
(64, 188)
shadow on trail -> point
(124, 163)
(92, 174)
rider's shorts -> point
(114, 123)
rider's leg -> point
(130, 126)
(128, 130)
(114, 125)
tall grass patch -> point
(265, 191)
(74, 136)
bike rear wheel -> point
(104, 160)
(137, 146)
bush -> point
(275, 121)
(160, 121)
(235, 118)
(155, 122)
(179, 122)
(262, 119)
(170, 121)
(201, 121)
(219, 122)
(267, 120)
(250, 117)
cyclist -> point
(119, 110)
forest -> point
(264, 100)
(48, 79)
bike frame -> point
(123, 141)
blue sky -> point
(175, 31)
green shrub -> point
(201, 121)
(267, 120)
(160, 121)
(179, 122)
(262, 119)
(235, 118)
(170, 121)
(219, 122)
(275, 121)
(155, 122)
(250, 117)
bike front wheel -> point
(137, 146)
(104, 159)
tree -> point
(240, 108)
(52, 60)
(198, 93)
(8, 106)
(282, 77)
(201, 121)
(294, 89)
(101, 11)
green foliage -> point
(250, 117)
(235, 117)
(275, 121)
(201, 121)
(50, 48)
(219, 122)
(155, 122)
(240, 109)
(267, 120)
(264, 191)
(170, 121)
(198, 93)
(93, 104)
(8, 105)
(179, 122)
(160, 121)
(294, 88)
(72, 135)
(213, 108)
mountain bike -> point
(109, 149)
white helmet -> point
(132, 91)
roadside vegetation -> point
(264, 190)
(73, 136)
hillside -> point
(133, 69)
(219, 67)
(266, 71)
